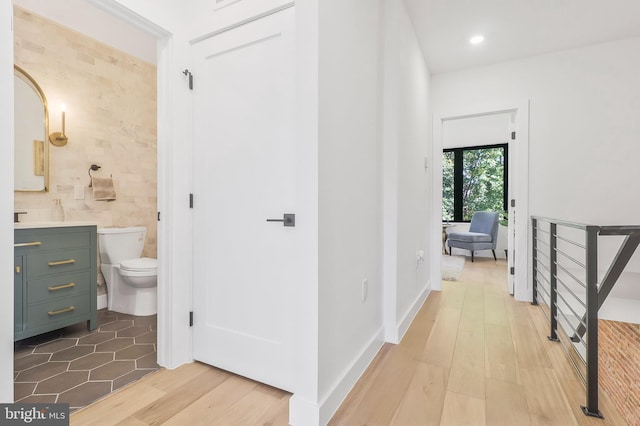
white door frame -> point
(519, 188)
(167, 353)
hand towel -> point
(103, 189)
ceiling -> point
(515, 28)
(512, 28)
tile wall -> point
(110, 99)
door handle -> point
(288, 219)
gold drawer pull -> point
(33, 243)
(60, 287)
(62, 311)
(62, 262)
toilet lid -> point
(139, 265)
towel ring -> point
(93, 167)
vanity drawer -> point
(57, 310)
(31, 241)
(59, 285)
(55, 277)
(53, 262)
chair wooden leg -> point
(471, 256)
(494, 255)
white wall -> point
(407, 118)
(6, 206)
(340, 76)
(349, 191)
(373, 186)
(583, 127)
(481, 130)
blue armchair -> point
(482, 235)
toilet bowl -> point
(131, 279)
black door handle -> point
(288, 219)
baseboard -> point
(334, 398)
(306, 413)
(303, 412)
(395, 333)
(102, 301)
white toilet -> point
(131, 280)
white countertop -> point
(31, 225)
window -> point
(474, 179)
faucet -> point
(16, 216)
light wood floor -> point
(473, 356)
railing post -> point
(534, 250)
(553, 291)
(591, 408)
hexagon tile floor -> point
(76, 366)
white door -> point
(245, 268)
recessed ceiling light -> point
(476, 39)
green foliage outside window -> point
(480, 183)
(447, 185)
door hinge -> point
(190, 201)
(158, 216)
(513, 202)
(190, 318)
(512, 270)
(513, 136)
(188, 74)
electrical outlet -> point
(365, 289)
(78, 191)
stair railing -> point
(565, 280)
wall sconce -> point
(59, 138)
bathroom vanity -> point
(54, 276)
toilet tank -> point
(118, 244)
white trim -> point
(389, 148)
(6, 193)
(306, 413)
(165, 349)
(436, 203)
(303, 412)
(334, 398)
(519, 190)
(221, 4)
(241, 23)
(396, 333)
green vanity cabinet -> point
(55, 278)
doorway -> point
(149, 204)
(517, 240)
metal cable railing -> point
(569, 287)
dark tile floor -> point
(76, 366)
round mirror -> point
(31, 127)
